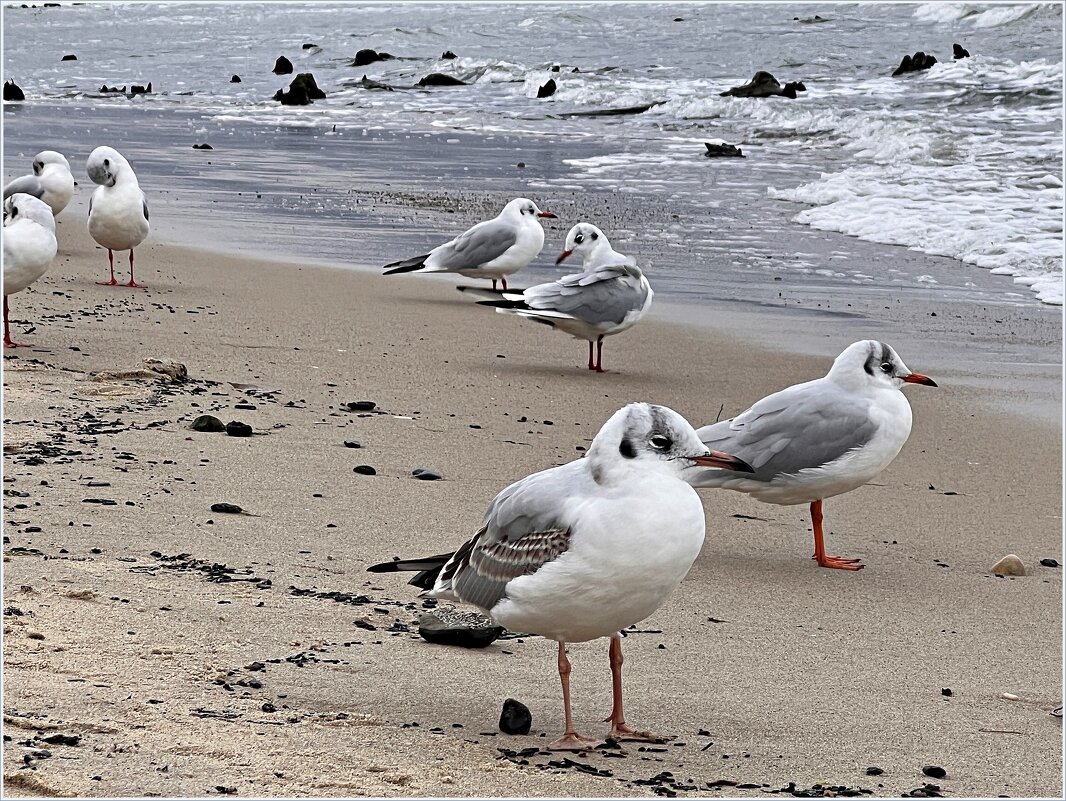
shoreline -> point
(809, 677)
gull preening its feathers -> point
(118, 211)
(29, 247)
(821, 438)
(51, 181)
(585, 549)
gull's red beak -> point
(918, 378)
(547, 214)
(563, 256)
(726, 460)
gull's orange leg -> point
(619, 729)
(111, 261)
(571, 740)
(839, 562)
(133, 283)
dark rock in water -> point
(934, 771)
(369, 56)
(301, 91)
(235, 79)
(365, 470)
(207, 422)
(69, 57)
(556, 67)
(515, 718)
(440, 79)
(958, 51)
(204, 146)
(548, 89)
(12, 91)
(762, 84)
(612, 112)
(448, 55)
(465, 629)
(796, 86)
(308, 45)
(370, 83)
(919, 61)
(282, 66)
(425, 474)
(351, 443)
(361, 406)
(722, 150)
(226, 508)
(307, 80)
(236, 428)
(137, 89)
(1049, 562)
(810, 20)
(105, 89)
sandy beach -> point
(193, 653)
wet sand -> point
(140, 626)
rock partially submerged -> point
(722, 150)
(282, 66)
(302, 90)
(368, 56)
(548, 89)
(12, 91)
(137, 89)
(958, 51)
(372, 85)
(235, 78)
(451, 627)
(440, 79)
(447, 55)
(916, 63)
(764, 84)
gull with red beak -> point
(820, 438)
(585, 549)
(609, 297)
(492, 249)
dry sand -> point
(793, 673)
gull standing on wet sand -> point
(585, 549)
(820, 438)
(29, 247)
(492, 249)
(608, 298)
(51, 181)
(118, 211)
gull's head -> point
(522, 208)
(21, 206)
(46, 157)
(642, 436)
(584, 239)
(105, 165)
(874, 365)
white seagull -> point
(491, 249)
(29, 247)
(585, 549)
(608, 298)
(118, 211)
(51, 181)
(820, 438)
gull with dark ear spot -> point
(609, 297)
(820, 438)
(585, 549)
(118, 211)
(29, 246)
(50, 181)
(492, 249)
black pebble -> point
(1049, 562)
(62, 739)
(424, 474)
(269, 707)
(237, 429)
(365, 470)
(226, 508)
(946, 691)
(69, 57)
(235, 79)
(282, 66)
(361, 406)
(934, 771)
(206, 146)
(352, 443)
(515, 717)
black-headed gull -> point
(29, 247)
(118, 211)
(820, 438)
(610, 296)
(585, 549)
(492, 249)
(51, 181)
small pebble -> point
(424, 474)
(361, 406)
(352, 443)
(236, 428)
(1009, 565)
(874, 771)
(1049, 562)
(946, 691)
(515, 718)
(934, 771)
(226, 508)
(365, 470)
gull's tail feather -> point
(406, 266)
(428, 568)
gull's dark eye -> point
(660, 442)
(886, 367)
(107, 162)
(579, 239)
(595, 235)
(531, 210)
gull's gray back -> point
(481, 244)
(604, 294)
(30, 184)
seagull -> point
(820, 438)
(118, 211)
(29, 247)
(51, 181)
(491, 249)
(609, 297)
(585, 549)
